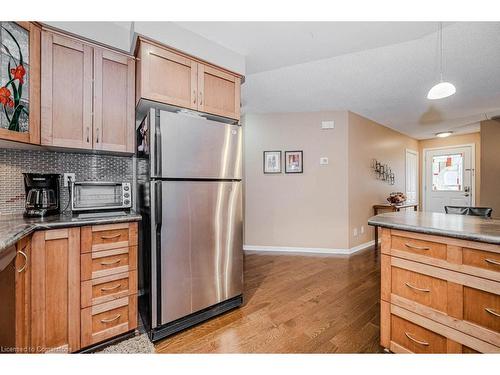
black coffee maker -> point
(42, 194)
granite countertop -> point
(15, 227)
(466, 227)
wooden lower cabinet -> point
(55, 290)
(438, 294)
(56, 304)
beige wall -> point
(368, 140)
(490, 165)
(463, 139)
(296, 210)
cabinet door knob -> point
(194, 96)
(492, 311)
(492, 261)
(117, 316)
(410, 246)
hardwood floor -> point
(295, 304)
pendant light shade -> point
(442, 89)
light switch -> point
(323, 160)
(327, 124)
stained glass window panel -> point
(447, 172)
(14, 77)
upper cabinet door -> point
(218, 92)
(167, 77)
(66, 118)
(20, 81)
(114, 89)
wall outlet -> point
(66, 177)
(362, 229)
(323, 161)
(355, 232)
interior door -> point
(201, 261)
(66, 116)
(411, 180)
(448, 178)
(114, 81)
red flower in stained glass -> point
(18, 73)
(5, 98)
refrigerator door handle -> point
(158, 147)
(156, 224)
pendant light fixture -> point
(442, 89)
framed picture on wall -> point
(294, 162)
(272, 162)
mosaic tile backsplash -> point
(87, 167)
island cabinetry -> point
(439, 294)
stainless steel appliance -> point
(42, 194)
(191, 256)
(96, 196)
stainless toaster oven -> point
(96, 196)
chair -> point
(472, 211)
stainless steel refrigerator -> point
(190, 196)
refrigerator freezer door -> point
(195, 148)
(201, 256)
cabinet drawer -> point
(415, 338)
(420, 247)
(110, 236)
(482, 308)
(482, 259)
(108, 288)
(109, 319)
(426, 290)
(109, 262)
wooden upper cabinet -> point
(66, 92)
(114, 116)
(218, 92)
(20, 95)
(171, 77)
(167, 77)
(87, 95)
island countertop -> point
(15, 227)
(465, 227)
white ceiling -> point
(380, 70)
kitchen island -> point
(440, 283)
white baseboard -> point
(308, 250)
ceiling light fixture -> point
(442, 89)
(444, 134)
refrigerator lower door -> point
(194, 148)
(200, 259)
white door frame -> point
(410, 151)
(473, 164)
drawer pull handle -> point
(416, 288)
(492, 312)
(111, 236)
(111, 319)
(25, 260)
(424, 343)
(492, 261)
(107, 289)
(410, 246)
(111, 263)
